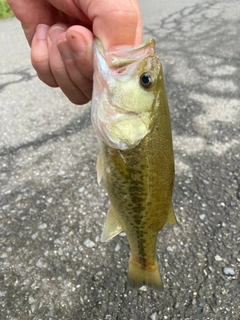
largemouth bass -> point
(130, 116)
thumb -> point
(114, 22)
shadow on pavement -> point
(21, 75)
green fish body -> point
(130, 115)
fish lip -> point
(118, 57)
(150, 42)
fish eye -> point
(146, 80)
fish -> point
(130, 116)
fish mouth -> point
(118, 57)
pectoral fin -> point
(111, 226)
(99, 169)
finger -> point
(40, 56)
(138, 38)
(117, 23)
(80, 41)
(75, 71)
(59, 70)
(32, 13)
(71, 9)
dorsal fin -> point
(111, 226)
(171, 218)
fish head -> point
(125, 92)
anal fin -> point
(111, 226)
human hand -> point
(61, 34)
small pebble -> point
(217, 258)
(143, 288)
(31, 300)
(40, 263)
(153, 316)
(88, 243)
(42, 226)
(202, 216)
(228, 271)
(97, 276)
(122, 234)
(117, 248)
(49, 200)
(26, 282)
(60, 252)
(34, 236)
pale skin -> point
(61, 32)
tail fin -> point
(139, 276)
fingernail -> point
(41, 31)
(64, 49)
(78, 44)
(54, 33)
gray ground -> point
(52, 263)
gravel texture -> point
(52, 263)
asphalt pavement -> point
(52, 263)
